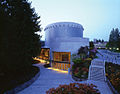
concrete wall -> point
(65, 37)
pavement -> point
(51, 79)
(48, 79)
(109, 56)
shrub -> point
(74, 88)
(47, 65)
(80, 68)
(113, 74)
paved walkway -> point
(48, 79)
(109, 56)
(51, 79)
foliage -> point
(74, 88)
(101, 41)
(91, 44)
(18, 41)
(83, 52)
(14, 79)
(113, 74)
(47, 65)
(80, 68)
(114, 39)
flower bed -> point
(113, 74)
(80, 68)
(74, 88)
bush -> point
(113, 74)
(36, 61)
(80, 68)
(74, 88)
(13, 79)
(47, 65)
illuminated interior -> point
(58, 70)
(61, 60)
(44, 54)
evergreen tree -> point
(91, 45)
(114, 38)
(18, 41)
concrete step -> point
(100, 75)
(95, 79)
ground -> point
(52, 79)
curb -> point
(23, 86)
(78, 79)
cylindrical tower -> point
(62, 30)
(64, 39)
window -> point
(65, 57)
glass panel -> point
(65, 57)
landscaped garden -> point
(113, 74)
(82, 61)
(74, 88)
(80, 68)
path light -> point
(117, 49)
(41, 60)
(58, 70)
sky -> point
(97, 17)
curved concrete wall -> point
(62, 30)
(64, 37)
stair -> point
(97, 71)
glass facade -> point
(45, 54)
(61, 60)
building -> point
(62, 39)
(100, 44)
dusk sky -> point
(98, 17)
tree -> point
(83, 52)
(102, 40)
(18, 41)
(91, 45)
(114, 39)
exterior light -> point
(41, 60)
(110, 48)
(117, 49)
(58, 70)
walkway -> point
(51, 79)
(109, 56)
(48, 79)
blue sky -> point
(98, 17)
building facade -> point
(62, 39)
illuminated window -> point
(65, 57)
